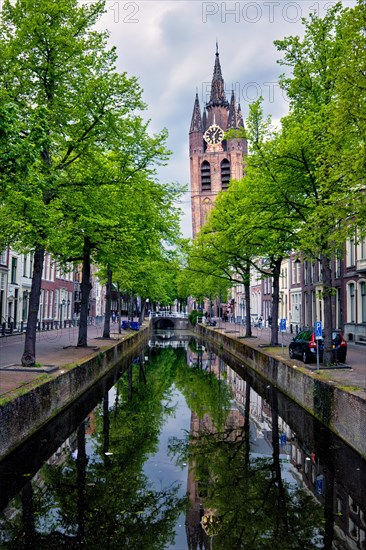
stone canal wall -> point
(341, 411)
(23, 416)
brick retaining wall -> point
(341, 411)
(24, 415)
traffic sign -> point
(318, 330)
(319, 485)
(283, 325)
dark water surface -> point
(179, 450)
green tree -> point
(348, 113)
(115, 208)
(328, 200)
(251, 226)
(267, 220)
(61, 84)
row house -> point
(56, 300)
(348, 516)
(301, 286)
(15, 283)
(60, 293)
(342, 491)
(349, 295)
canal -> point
(183, 449)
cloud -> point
(170, 45)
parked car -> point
(304, 345)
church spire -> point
(217, 98)
(233, 121)
(240, 118)
(204, 120)
(196, 122)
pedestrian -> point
(113, 316)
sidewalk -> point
(353, 374)
(56, 348)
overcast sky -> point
(170, 46)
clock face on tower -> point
(213, 135)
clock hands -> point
(214, 134)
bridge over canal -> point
(165, 320)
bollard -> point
(3, 329)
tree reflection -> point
(205, 394)
(250, 504)
(85, 500)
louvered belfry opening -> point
(225, 173)
(206, 176)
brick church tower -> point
(213, 159)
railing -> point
(174, 314)
(168, 344)
(9, 327)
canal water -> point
(183, 449)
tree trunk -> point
(327, 301)
(108, 296)
(119, 317)
(30, 532)
(130, 307)
(85, 292)
(29, 352)
(142, 368)
(248, 321)
(142, 312)
(130, 383)
(81, 464)
(106, 428)
(247, 424)
(275, 300)
(281, 509)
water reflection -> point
(93, 491)
(252, 469)
(313, 483)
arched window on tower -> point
(225, 174)
(206, 176)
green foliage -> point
(282, 516)
(98, 493)
(304, 184)
(322, 134)
(193, 315)
(79, 176)
(205, 394)
(102, 498)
